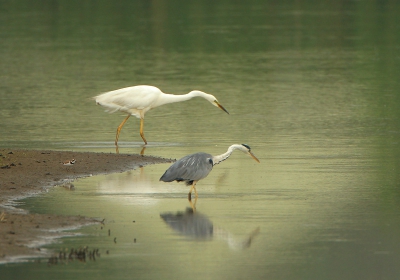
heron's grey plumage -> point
(195, 167)
(190, 168)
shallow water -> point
(313, 89)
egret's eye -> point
(248, 147)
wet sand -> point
(25, 173)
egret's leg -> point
(142, 151)
(119, 129)
(141, 130)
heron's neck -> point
(220, 158)
(172, 98)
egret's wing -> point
(193, 167)
(129, 99)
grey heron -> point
(137, 100)
(194, 167)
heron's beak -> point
(253, 156)
(221, 107)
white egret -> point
(137, 100)
(194, 167)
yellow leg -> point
(193, 205)
(141, 130)
(191, 189)
(119, 129)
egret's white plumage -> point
(137, 100)
(195, 167)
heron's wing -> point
(193, 167)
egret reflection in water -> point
(192, 224)
(141, 151)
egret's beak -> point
(221, 107)
(253, 156)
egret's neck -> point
(172, 98)
(220, 158)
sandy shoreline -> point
(26, 173)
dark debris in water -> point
(82, 254)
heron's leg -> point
(141, 130)
(195, 191)
(193, 205)
(191, 189)
(190, 194)
(119, 129)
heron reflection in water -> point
(194, 167)
(195, 225)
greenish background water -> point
(311, 86)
